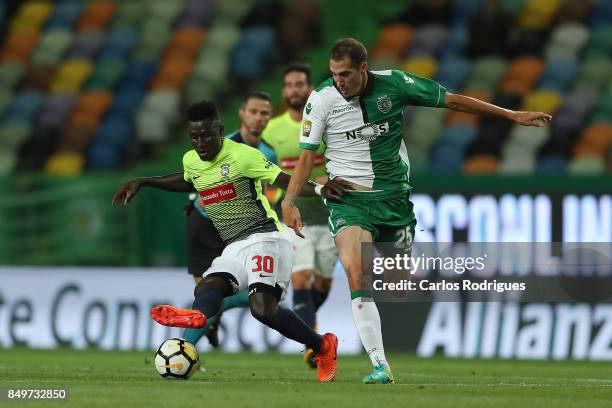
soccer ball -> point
(177, 359)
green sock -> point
(240, 299)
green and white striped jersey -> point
(364, 135)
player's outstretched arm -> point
(170, 182)
(468, 104)
(332, 189)
(301, 173)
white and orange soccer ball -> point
(177, 359)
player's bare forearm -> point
(301, 174)
(468, 104)
(283, 180)
(332, 189)
(170, 182)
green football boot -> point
(380, 375)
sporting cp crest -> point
(225, 171)
(384, 104)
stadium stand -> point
(100, 85)
(105, 81)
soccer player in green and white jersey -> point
(315, 255)
(358, 114)
(228, 177)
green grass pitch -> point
(128, 379)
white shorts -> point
(316, 251)
(264, 258)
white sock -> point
(367, 321)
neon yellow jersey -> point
(230, 190)
(283, 134)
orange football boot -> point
(174, 317)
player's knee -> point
(322, 284)
(218, 282)
(263, 308)
(302, 279)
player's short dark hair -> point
(298, 67)
(264, 96)
(351, 48)
(202, 110)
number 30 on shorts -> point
(263, 264)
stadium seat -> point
(531, 138)
(64, 15)
(552, 163)
(106, 75)
(446, 158)
(570, 36)
(195, 14)
(595, 140)
(537, 14)
(65, 164)
(103, 156)
(542, 101)
(5, 100)
(600, 42)
(151, 127)
(8, 162)
(422, 66)
(522, 74)
(19, 45)
(70, 76)
(486, 74)
(453, 72)
(517, 159)
(24, 106)
(559, 74)
(426, 125)
(513, 7)
(13, 135)
(128, 99)
(163, 103)
(427, 40)
(456, 43)
(392, 41)
(10, 74)
(76, 137)
(458, 136)
(419, 159)
(481, 164)
(586, 165)
(51, 47)
(594, 74)
(86, 45)
(116, 131)
(96, 16)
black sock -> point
(318, 298)
(303, 306)
(287, 323)
(208, 301)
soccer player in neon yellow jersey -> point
(315, 255)
(228, 177)
(358, 113)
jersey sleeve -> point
(313, 122)
(418, 91)
(186, 173)
(253, 164)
